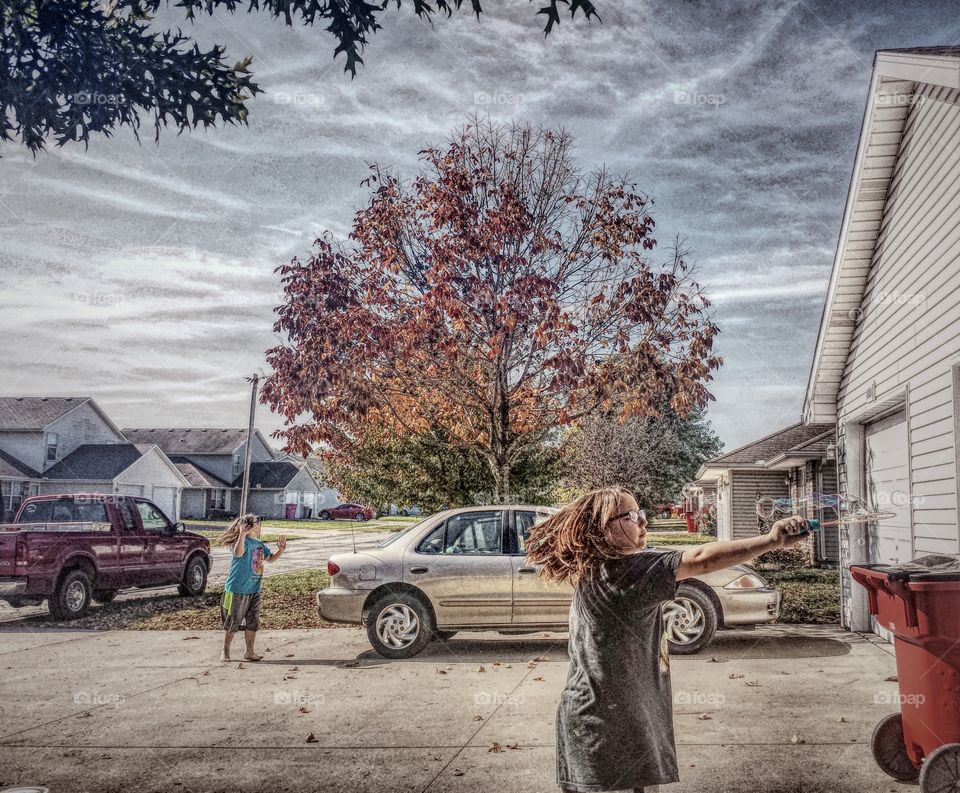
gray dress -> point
(615, 719)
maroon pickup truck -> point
(71, 549)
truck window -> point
(91, 511)
(37, 512)
(151, 517)
(128, 518)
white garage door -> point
(166, 499)
(888, 488)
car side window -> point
(468, 533)
(128, 518)
(151, 517)
(523, 521)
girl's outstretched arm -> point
(718, 555)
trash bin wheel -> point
(889, 750)
(941, 770)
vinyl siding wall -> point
(908, 337)
(746, 488)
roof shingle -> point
(189, 440)
(32, 414)
(770, 446)
(95, 462)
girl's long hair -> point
(570, 542)
(230, 534)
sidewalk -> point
(779, 709)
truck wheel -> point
(104, 595)
(399, 626)
(889, 750)
(194, 580)
(690, 620)
(71, 599)
(941, 770)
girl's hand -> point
(282, 542)
(789, 531)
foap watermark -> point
(300, 699)
(699, 698)
(97, 698)
(698, 98)
(98, 299)
(497, 698)
(299, 98)
(498, 99)
(95, 98)
(896, 698)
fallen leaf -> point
(311, 738)
(753, 683)
(892, 679)
(478, 718)
(481, 669)
(304, 710)
(457, 772)
(294, 669)
(352, 663)
(508, 666)
(705, 717)
(538, 678)
(495, 747)
(713, 660)
(734, 676)
(513, 746)
(797, 738)
(188, 638)
(842, 720)
(241, 666)
(288, 655)
(441, 671)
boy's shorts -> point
(240, 612)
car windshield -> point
(394, 537)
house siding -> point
(83, 424)
(908, 337)
(746, 488)
(155, 475)
(27, 447)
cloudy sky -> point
(142, 275)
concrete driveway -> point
(780, 709)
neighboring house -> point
(211, 461)
(69, 445)
(118, 468)
(792, 463)
(886, 369)
(326, 496)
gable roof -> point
(270, 476)
(781, 442)
(898, 77)
(197, 475)
(33, 414)
(95, 462)
(12, 468)
(193, 440)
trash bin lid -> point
(935, 567)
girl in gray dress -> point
(615, 718)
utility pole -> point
(248, 452)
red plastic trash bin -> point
(919, 603)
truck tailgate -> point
(8, 552)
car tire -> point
(690, 620)
(325, 515)
(194, 581)
(399, 625)
(72, 597)
(360, 517)
(104, 595)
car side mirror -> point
(178, 527)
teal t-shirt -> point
(246, 571)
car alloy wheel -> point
(690, 620)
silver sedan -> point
(465, 570)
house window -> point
(51, 447)
(218, 499)
(236, 463)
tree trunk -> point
(500, 469)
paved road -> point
(306, 553)
(784, 709)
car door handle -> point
(527, 570)
(418, 569)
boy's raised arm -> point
(718, 555)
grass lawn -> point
(677, 538)
(288, 602)
(810, 595)
(264, 536)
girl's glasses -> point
(636, 516)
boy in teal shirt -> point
(240, 605)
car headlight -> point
(746, 581)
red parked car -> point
(350, 511)
(71, 549)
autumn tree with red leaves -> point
(500, 295)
